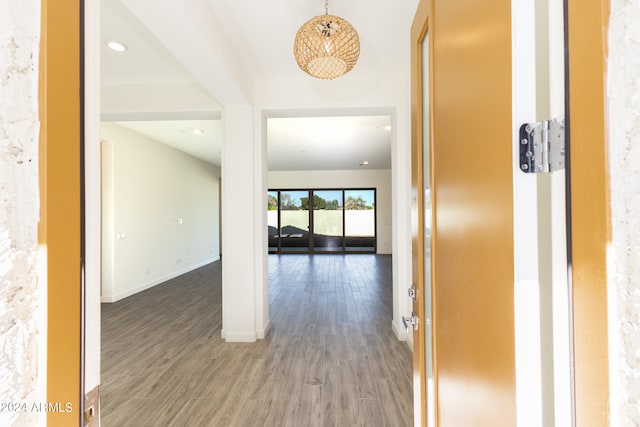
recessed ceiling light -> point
(365, 163)
(118, 47)
(198, 131)
(387, 128)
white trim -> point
(262, 333)
(526, 278)
(400, 333)
(527, 341)
(261, 269)
(93, 197)
(158, 281)
(240, 336)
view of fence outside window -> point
(322, 221)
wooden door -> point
(472, 263)
(60, 200)
(590, 223)
(421, 278)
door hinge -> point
(542, 146)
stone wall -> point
(624, 265)
(21, 305)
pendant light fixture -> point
(326, 46)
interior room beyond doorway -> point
(323, 172)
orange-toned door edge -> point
(60, 169)
(589, 206)
(418, 31)
(473, 207)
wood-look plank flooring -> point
(330, 358)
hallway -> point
(330, 358)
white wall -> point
(160, 212)
(245, 304)
(22, 286)
(378, 179)
(624, 254)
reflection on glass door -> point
(360, 220)
(294, 221)
(327, 221)
(428, 219)
(272, 221)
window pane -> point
(294, 221)
(360, 220)
(327, 220)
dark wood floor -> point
(330, 359)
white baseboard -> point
(239, 336)
(265, 331)
(246, 336)
(399, 331)
(155, 282)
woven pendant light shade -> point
(326, 47)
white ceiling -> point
(199, 138)
(163, 66)
(263, 31)
(321, 143)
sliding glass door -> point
(328, 221)
(360, 220)
(294, 221)
(272, 221)
(322, 221)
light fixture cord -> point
(326, 7)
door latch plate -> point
(412, 320)
(413, 292)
